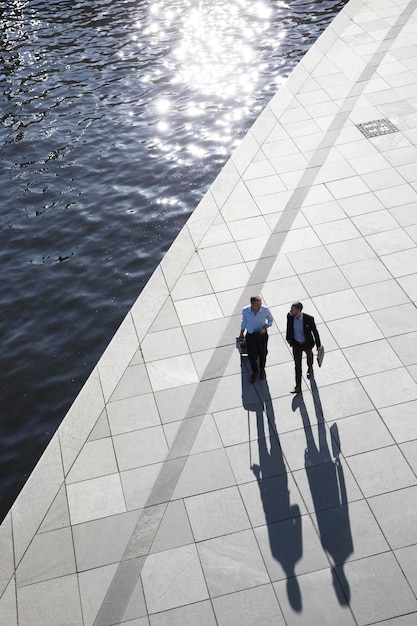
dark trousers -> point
(297, 350)
(257, 346)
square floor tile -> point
(401, 421)
(232, 563)
(365, 272)
(345, 304)
(324, 281)
(257, 605)
(372, 357)
(271, 499)
(362, 433)
(217, 513)
(199, 613)
(164, 344)
(375, 296)
(140, 447)
(173, 578)
(330, 484)
(291, 547)
(204, 472)
(407, 558)
(396, 319)
(401, 263)
(388, 388)
(351, 331)
(132, 414)
(50, 602)
(349, 532)
(95, 498)
(377, 589)
(301, 600)
(382, 470)
(173, 372)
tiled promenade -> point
(177, 493)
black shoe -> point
(296, 390)
(310, 373)
(262, 375)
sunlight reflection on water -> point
(115, 118)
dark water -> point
(116, 116)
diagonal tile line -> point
(127, 573)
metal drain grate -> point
(377, 128)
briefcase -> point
(241, 346)
(320, 356)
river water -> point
(116, 116)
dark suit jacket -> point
(310, 331)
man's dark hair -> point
(255, 299)
(297, 305)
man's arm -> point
(316, 334)
(289, 335)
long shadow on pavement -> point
(282, 518)
(328, 491)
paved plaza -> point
(177, 493)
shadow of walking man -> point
(328, 491)
(282, 518)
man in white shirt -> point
(256, 319)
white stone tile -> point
(191, 285)
(301, 600)
(141, 447)
(365, 272)
(351, 331)
(257, 605)
(50, 555)
(132, 414)
(382, 294)
(173, 578)
(372, 357)
(198, 613)
(343, 306)
(347, 187)
(350, 251)
(249, 227)
(95, 498)
(232, 563)
(324, 281)
(382, 470)
(220, 255)
(390, 241)
(198, 309)
(50, 602)
(401, 263)
(216, 513)
(310, 260)
(394, 320)
(232, 276)
(378, 589)
(95, 459)
(400, 420)
(164, 344)
(388, 388)
(326, 212)
(399, 530)
(339, 230)
(172, 372)
(360, 204)
(404, 346)
(8, 605)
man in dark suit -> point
(302, 335)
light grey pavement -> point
(177, 493)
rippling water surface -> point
(116, 116)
